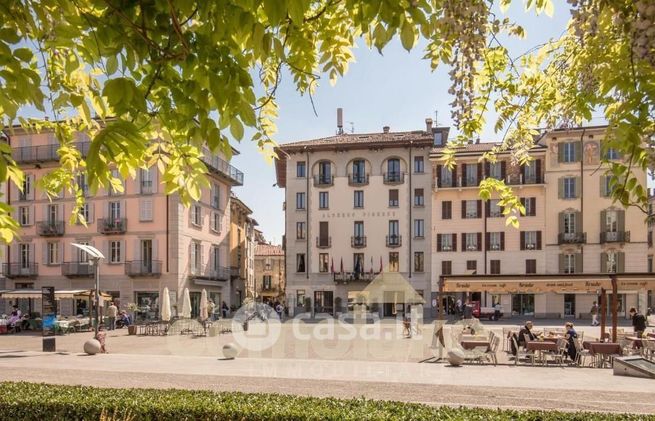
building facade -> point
(150, 240)
(242, 251)
(270, 279)
(356, 205)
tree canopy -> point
(154, 82)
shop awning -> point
(570, 283)
(62, 294)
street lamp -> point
(94, 255)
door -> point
(114, 212)
(195, 304)
(569, 304)
(393, 168)
(323, 229)
(323, 302)
(523, 304)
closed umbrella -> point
(203, 305)
(186, 304)
(166, 306)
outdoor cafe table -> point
(552, 339)
(471, 344)
(541, 346)
(603, 349)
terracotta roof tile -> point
(363, 138)
(268, 250)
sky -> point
(396, 89)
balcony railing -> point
(518, 179)
(220, 166)
(357, 179)
(210, 273)
(358, 241)
(395, 177)
(20, 270)
(43, 153)
(50, 228)
(146, 187)
(323, 180)
(615, 237)
(572, 238)
(143, 268)
(394, 240)
(112, 226)
(472, 181)
(346, 277)
(77, 269)
(323, 242)
(440, 182)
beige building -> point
(571, 225)
(356, 204)
(270, 280)
(150, 240)
(242, 250)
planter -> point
(131, 330)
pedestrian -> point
(102, 337)
(638, 322)
(594, 314)
(211, 307)
(112, 312)
(278, 310)
(224, 309)
(571, 336)
(468, 310)
(497, 311)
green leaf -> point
(236, 128)
(504, 5)
(112, 65)
(407, 36)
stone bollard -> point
(92, 346)
(230, 351)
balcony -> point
(395, 177)
(357, 179)
(235, 272)
(77, 269)
(145, 268)
(209, 274)
(358, 241)
(615, 237)
(572, 238)
(43, 153)
(394, 240)
(472, 181)
(347, 277)
(112, 226)
(440, 182)
(323, 242)
(323, 180)
(146, 187)
(520, 179)
(20, 270)
(222, 168)
(50, 228)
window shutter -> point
(139, 177)
(561, 263)
(438, 175)
(438, 242)
(154, 175)
(454, 238)
(621, 220)
(105, 250)
(137, 253)
(32, 187)
(453, 174)
(124, 208)
(478, 176)
(463, 209)
(578, 151)
(478, 211)
(487, 208)
(202, 257)
(560, 152)
(603, 262)
(578, 222)
(464, 242)
(561, 222)
(479, 241)
(603, 186)
(578, 263)
(560, 188)
(123, 253)
(155, 249)
(522, 239)
(522, 199)
(464, 175)
(620, 264)
(91, 207)
(577, 186)
(533, 207)
(44, 257)
(502, 240)
(538, 170)
(191, 211)
(603, 218)
(487, 240)
(538, 240)
(487, 169)
(503, 169)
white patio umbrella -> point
(203, 305)
(186, 304)
(166, 306)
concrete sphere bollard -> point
(456, 357)
(230, 351)
(92, 346)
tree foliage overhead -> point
(179, 76)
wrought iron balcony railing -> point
(50, 228)
(572, 238)
(77, 269)
(323, 180)
(20, 270)
(357, 179)
(358, 241)
(323, 242)
(112, 226)
(395, 177)
(136, 268)
(615, 237)
(394, 240)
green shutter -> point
(578, 263)
(577, 187)
(620, 266)
(603, 186)
(561, 263)
(578, 151)
(560, 153)
(621, 220)
(561, 222)
(578, 222)
(603, 218)
(603, 262)
(560, 188)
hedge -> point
(31, 401)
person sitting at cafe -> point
(638, 322)
(526, 334)
(571, 336)
(15, 318)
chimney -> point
(339, 120)
(385, 129)
(428, 125)
(477, 141)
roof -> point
(268, 250)
(235, 200)
(474, 148)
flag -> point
(371, 265)
(380, 264)
(332, 266)
(341, 265)
(358, 267)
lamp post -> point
(94, 255)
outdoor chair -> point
(582, 353)
(648, 350)
(581, 335)
(493, 348)
(476, 354)
(520, 353)
(562, 351)
(507, 333)
(626, 346)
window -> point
(325, 172)
(438, 139)
(496, 240)
(82, 256)
(146, 181)
(530, 205)
(266, 282)
(216, 221)
(650, 264)
(359, 172)
(611, 222)
(612, 153)
(323, 262)
(84, 212)
(323, 200)
(195, 259)
(115, 174)
(393, 198)
(394, 228)
(26, 194)
(25, 255)
(611, 262)
(394, 265)
(471, 265)
(196, 215)
(569, 188)
(301, 169)
(446, 242)
(606, 187)
(496, 170)
(358, 233)
(419, 262)
(358, 199)
(215, 200)
(324, 239)
(300, 297)
(393, 169)
(52, 253)
(114, 211)
(419, 198)
(419, 228)
(530, 240)
(446, 267)
(300, 262)
(494, 267)
(530, 174)
(300, 230)
(471, 209)
(300, 200)
(569, 151)
(24, 215)
(82, 184)
(419, 165)
(530, 266)
(569, 263)
(472, 241)
(358, 263)
(569, 222)
(53, 213)
(471, 175)
(145, 210)
(446, 177)
(115, 251)
(446, 209)
(495, 211)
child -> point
(102, 335)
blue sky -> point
(395, 89)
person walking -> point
(224, 309)
(594, 314)
(638, 322)
(112, 312)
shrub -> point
(31, 401)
